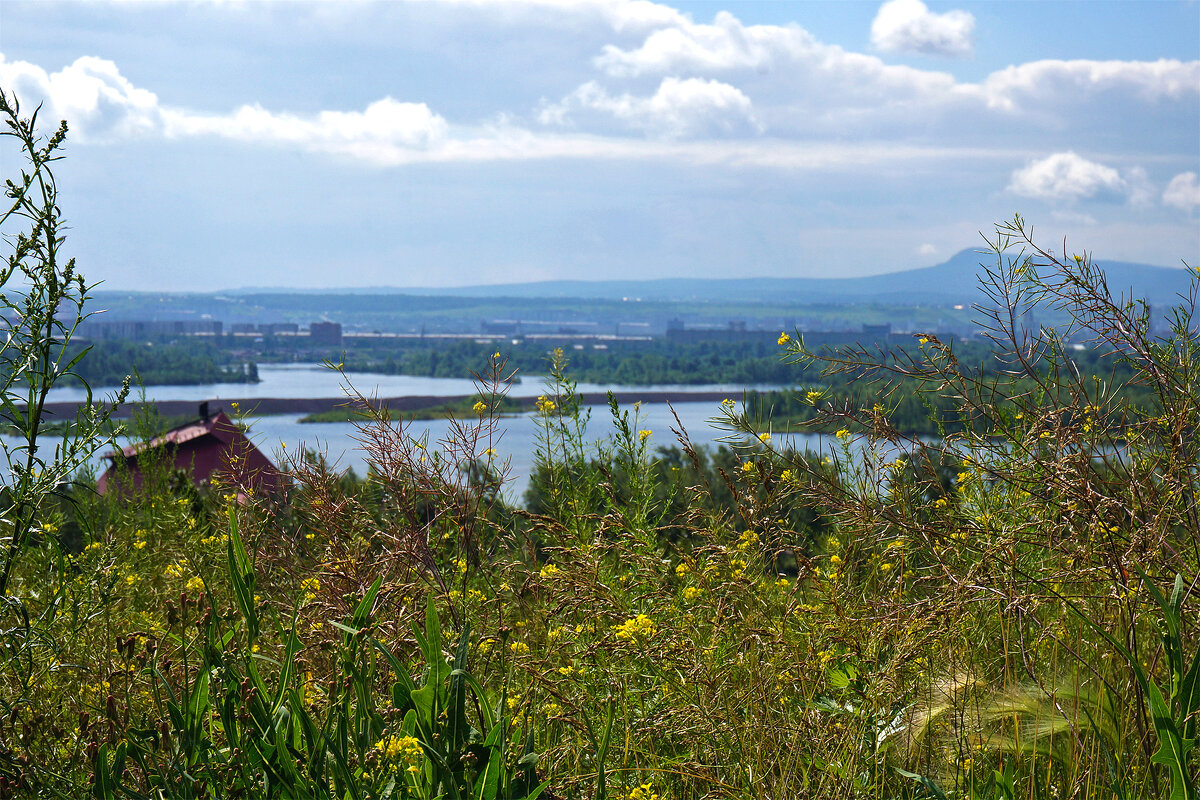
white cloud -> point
(725, 44)
(680, 107)
(101, 105)
(1037, 83)
(927, 250)
(1183, 191)
(98, 102)
(381, 132)
(908, 26)
(1066, 176)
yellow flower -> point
(924, 340)
(490, 452)
(764, 437)
(682, 569)
(692, 593)
(518, 648)
(812, 396)
(195, 585)
(407, 748)
(548, 571)
(139, 545)
(643, 792)
(544, 406)
(729, 402)
(747, 466)
(644, 435)
(310, 584)
(843, 434)
(784, 339)
(640, 626)
(479, 407)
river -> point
(280, 436)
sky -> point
(222, 144)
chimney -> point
(204, 410)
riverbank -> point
(268, 406)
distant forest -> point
(193, 362)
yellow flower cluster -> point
(479, 407)
(784, 339)
(401, 748)
(544, 406)
(643, 792)
(639, 627)
(644, 435)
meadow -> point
(1005, 610)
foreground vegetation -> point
(1007, 612)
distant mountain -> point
(951, 282)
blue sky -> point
(233, 143)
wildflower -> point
(140, 544)
(748, 466)
(682, 569)
(195, 584)
(566, 671)
(783, 583)
(784, 339)
(692, 593)
(764, 438)
(407, 748)
(747, 540)
(885, 566)
(548, 571)
(518, 648)
(544, 406)
(643, 792)
(924, 340)
(132, 579)
(173, 570)
(490, 452)
(812, 396)
(479, 407)
(835, 560)
(786, 476)
(310, 584)
(729, 402)
(640, 626)
(644, 435)
(843, 434)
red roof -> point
(211, 446)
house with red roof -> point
(210, 447)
